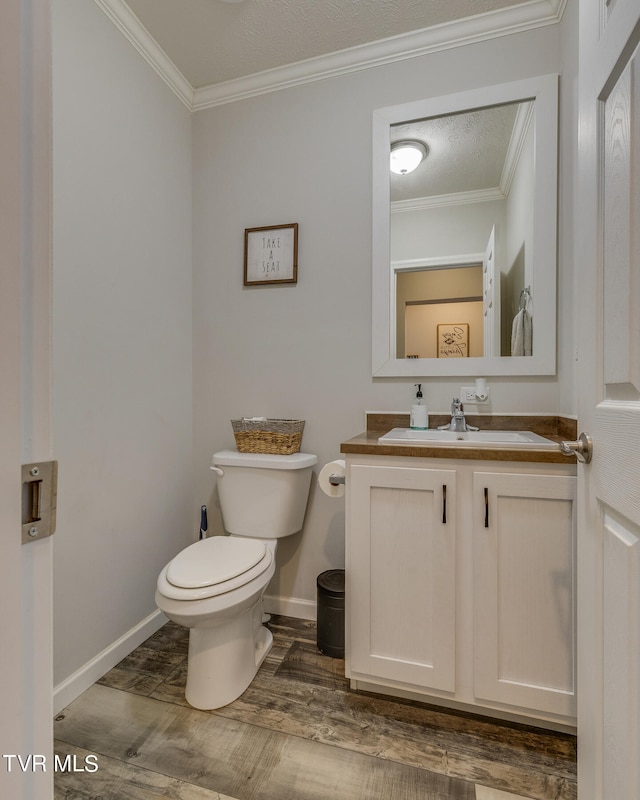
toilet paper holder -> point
(332, 478)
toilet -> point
(215, 586)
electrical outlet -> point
(468, 394)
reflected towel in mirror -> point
(521, 334)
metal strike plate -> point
(39, 500)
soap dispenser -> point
(419, 415)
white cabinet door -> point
(524, 590)
(401, 593)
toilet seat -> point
(214, 560)
(214, 566)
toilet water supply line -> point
(203, 521)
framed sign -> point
(271, 254)
(453, 340)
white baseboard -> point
(73, 686)
(290, 607)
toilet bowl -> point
(215, 586)
(227, 641)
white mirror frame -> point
(544, 89)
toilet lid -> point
(214, 560)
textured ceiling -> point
(212, 41)
(466, 152)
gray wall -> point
(304, 155)
(150, 207)
(121, 332)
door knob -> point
(582, 449)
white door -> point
(607, 228)
(25, 570)
(490, 299)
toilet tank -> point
(263, 496)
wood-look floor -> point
(297, 733)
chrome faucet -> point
(458, 421)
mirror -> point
(465, 244)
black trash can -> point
(330, 627)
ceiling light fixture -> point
(406, 155)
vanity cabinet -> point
(461, 583)
(403, 574)
(524, 590)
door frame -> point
(25, 395)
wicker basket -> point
(274, 436)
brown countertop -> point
(554, 428)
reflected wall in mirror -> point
(469, 236)
(426, 298)
(474, 191)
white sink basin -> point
(501, 439)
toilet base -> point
(224, 659)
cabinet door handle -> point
(444, 503)
(486, 507)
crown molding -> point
(515, 19)
(528, 15)
(441, 200)
(130, 26)
(521, 125)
